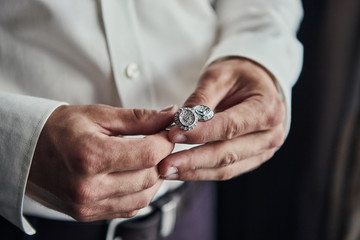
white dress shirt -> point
(126, 53)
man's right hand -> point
(84, 168)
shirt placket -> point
(124, 43)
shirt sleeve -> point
(22, 119)
(265, 32)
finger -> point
(124, 206)
(130, 182)
(221, 153)
(226, 172)
(113, 185)
(120, 121)
(133, 154)
(255, 114)
(104, 154)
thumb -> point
(140, 121)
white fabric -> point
(77, 52)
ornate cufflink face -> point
(186, 118)
(204, 113)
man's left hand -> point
(245, 132)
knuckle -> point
(140, 114)
(277, 139)
(149, 181)
(233, 127)
(228, 159)
(275, 112)
(82, 194)
(143, 202)
(81, 213)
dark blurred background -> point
(309, 190)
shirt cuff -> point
(22, 119)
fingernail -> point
(179, 138)
(168, 108)
(172, 173)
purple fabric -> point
(199, 220)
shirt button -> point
(132, 71)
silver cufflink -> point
(187, 118)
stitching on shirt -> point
(23, 166)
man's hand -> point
(84, 168)
(245, 131)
